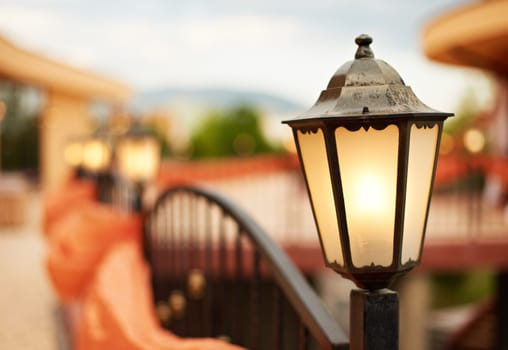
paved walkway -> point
(27, 302)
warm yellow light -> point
(368, 168)
(370, 209)
(96, 155)
(474, 140)
(73, 154)
(370, 195)
(138, 158)
(313, 152)
(422, 154)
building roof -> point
(474, 35)
(26, 67)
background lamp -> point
(138, 155)
(96, 153)
(73, 154)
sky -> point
(289, 48)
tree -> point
(235, 132)
(19, 128)
(467, 111)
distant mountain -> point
(214, 98)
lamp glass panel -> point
(368, 169)
(96, 155)
(422, 153)
(138, 159)
(315, 164)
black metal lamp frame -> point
(370, 276)
(368, 93)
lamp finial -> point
(364, 51)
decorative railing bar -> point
(255, 299)
(278, 312)
(170, 225)
(304, 337)
(237, 329)
(222, 273)
(208, 258)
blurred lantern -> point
(138, 155)
(138, 160)
(73, 153)
(96, 153)
(73, 156)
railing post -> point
(374, 320)
(136, 203)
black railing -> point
(216, 273)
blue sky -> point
(286, 47)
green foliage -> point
(165, 147)
(19, 129)
(466, 112)
(236, 132)
(452, 289)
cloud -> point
(28, 25)
(288, 47)
(240, 31)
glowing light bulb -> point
(370, 195)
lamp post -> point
(368, 149)
(96, 153)
(73, 155)
(96, 159)
(138, 157)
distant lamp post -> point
(96, 153)
(138, 157)
(73, 155)
(368, 149)
(97, 159)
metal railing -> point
(216, 273)
(471, 205)
(461, 209)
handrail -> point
(290, 280)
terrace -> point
(467, 230)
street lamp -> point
(73, 155)
(368, 148)
(96, 160)
(138, 157)
(96, 153)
